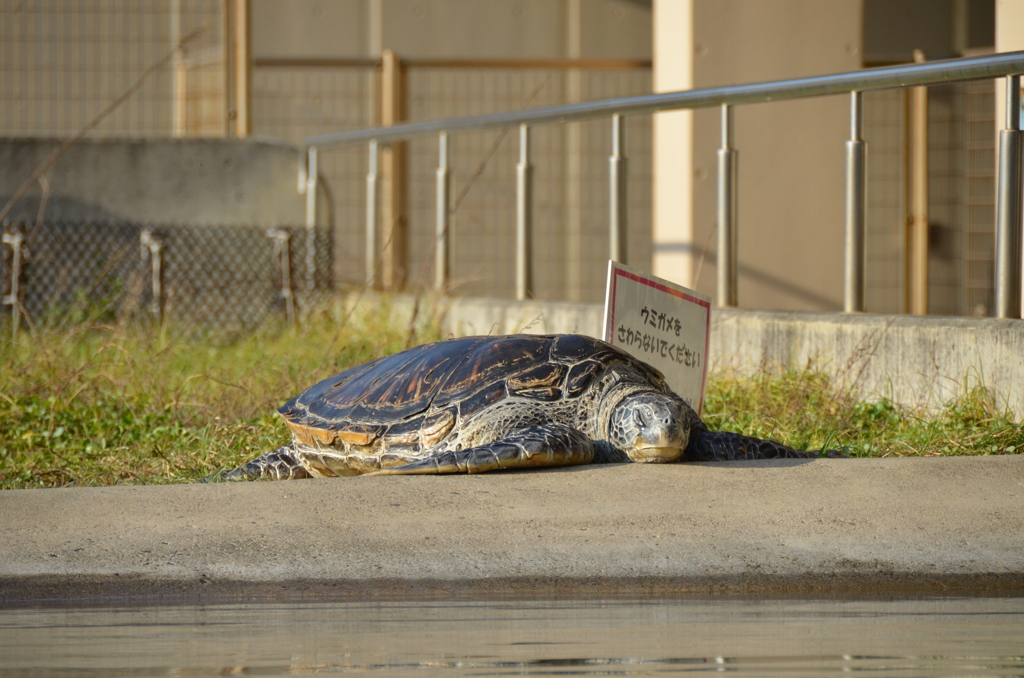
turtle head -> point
(648, 426)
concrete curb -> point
(861, 525)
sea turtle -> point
(483, 403)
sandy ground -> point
(875, 525)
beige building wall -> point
(310, 28)
(452, 29)
(570, 161)
(791, 154)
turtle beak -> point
(657, 454)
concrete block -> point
(164, 181)
(917, 361)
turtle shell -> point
(449, 381)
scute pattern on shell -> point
(464, 376)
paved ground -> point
(876, 525)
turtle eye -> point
(640, 418)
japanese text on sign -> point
(677, 353)
(660, 320)
(663, 324)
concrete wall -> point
(917, 361)
(791, 154)
(220, 181)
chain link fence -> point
(196, 278)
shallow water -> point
(928, 637)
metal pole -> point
(617, 196)
(524, 221)
(728, 157)
(372, 190)
(1008, 208)
(15, 240)
(311, 181)
(441, 220)
(856, 204)
(281, 240)
(153, 245)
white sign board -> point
(661, 323)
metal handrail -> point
(888, 77)
(854, 83)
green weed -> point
(806, 410)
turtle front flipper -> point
(548, 445)
(725, 446)
(281, 464)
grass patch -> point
(98, 405)
(805, 410)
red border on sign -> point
(676, 293)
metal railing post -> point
(728, 157)
(372, 193)
(856, 204)
(282, 242)
(311, 180)
(153, 247)
(618, 206)
(15, 240)
(441, 218)
(1008, 208)
(524, 218)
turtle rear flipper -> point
(281, 464)
(725, 446)
(548, 445)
